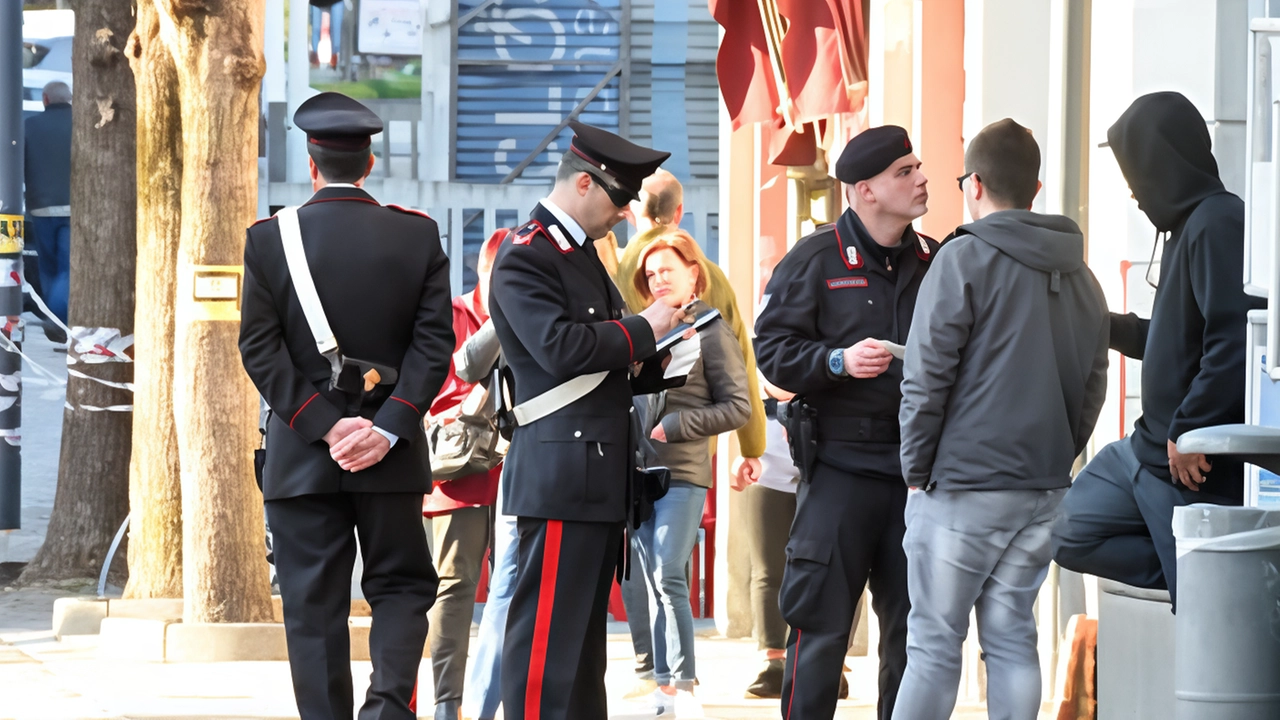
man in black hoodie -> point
(1116, 521)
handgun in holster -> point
(348, 374)
(801, 421)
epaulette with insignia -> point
(409, 211)
(524, 234)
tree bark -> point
(155, 493)
(93, 474)
(216, 46)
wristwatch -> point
(835, 363)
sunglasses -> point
(618, 196)
(960, 180)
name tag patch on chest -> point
(846, 282)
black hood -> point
(1163, 148)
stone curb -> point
(153, 631)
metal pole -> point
(11, 226)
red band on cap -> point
(341, 144)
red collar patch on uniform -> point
(525, 234)
(922, 248)
(849, 254)
(858, 281)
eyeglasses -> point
(960, 180)
(619, 197)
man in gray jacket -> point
(1005, 374)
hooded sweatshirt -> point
(1193, 347)
(1006, 364)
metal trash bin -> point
(1227, 663)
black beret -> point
(625, 162)
(336, 121)
(871, 152)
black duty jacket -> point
(834, 289)
(1193, 348)
(558, 316)
(383, 281)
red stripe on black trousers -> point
(542, 622)
(795, 664)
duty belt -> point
(849, 428)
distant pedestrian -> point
(47, 173)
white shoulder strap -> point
(303, 284)
(558, 397)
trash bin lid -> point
(1203, 520)
(1252, 541)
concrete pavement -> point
(47, 679)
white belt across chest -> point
(558, 397)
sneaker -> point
(643, 687)
(687, 706)
(664, 704)
(768, 683)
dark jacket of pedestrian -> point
(1193, 347)
(1008, 353)
(47, 160)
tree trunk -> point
(216, 46)
(155, 494)
(93, 474)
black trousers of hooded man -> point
(1115, 521)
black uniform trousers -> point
(848, 531)
(315, 550)
(554, 656)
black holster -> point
(349, 379)
(801, 422)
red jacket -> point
(474, 490)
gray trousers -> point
(984, 550)
(1117, 521)
(461, 537)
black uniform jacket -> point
(383, 281)
(558, 316)
(835, 288)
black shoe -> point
(844, 688)
(55, 334)
(447, 710)
(769, 683)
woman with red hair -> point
(681, 421)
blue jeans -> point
(53, 244)
(635, 599)
(664, 543)
(335, 27)
(483, 691)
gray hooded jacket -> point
(1006, 363)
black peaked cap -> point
(871, 152)
(624, 161)
(334, 120)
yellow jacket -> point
(719, 295)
